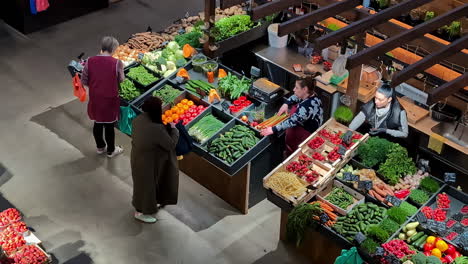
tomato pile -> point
(437, 214)
(11, 240)
(398, 248)
(19, 227)
(305, 160)
(316, 143)
(427, 211)
(332, 137)
(297, 168)
(239, 104)
(333, 155)
(10, 215)
(30, 254)
(186, 111)
(318, 156)
(443, 201)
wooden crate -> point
(358, 198)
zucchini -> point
(416, 237)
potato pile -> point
(126, 54)
(222, 13)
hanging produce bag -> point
(185, 143)
(32, 6)
(78, 88)
(42, 5)
(349, 257)
(126, 117)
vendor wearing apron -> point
(383, 115)
(306, 115)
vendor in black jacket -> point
(383, 115)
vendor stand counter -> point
(238, 183)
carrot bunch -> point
(329, 211)
(380, 191)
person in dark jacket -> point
(384, 115)
(306, 115)
(102, 75)
(155, 171)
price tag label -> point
(348, 176)
(393, 200)
(225, 106)
(179, 79)
(441, 226)
(464, 239)
(421, 217)
(392, 259)
(450, 177)
(348, 137)
(380, 251)
(365, 185)
(431, 224)
(140, 56)
(181, 31)
(359, 238)
(149, 29)
(342, 150)
(324, 218)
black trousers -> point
(108, 130)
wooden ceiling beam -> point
(404, 37)
(366, 23)
(429, 60)
(448, 88)
(272, 7)
(315, 16)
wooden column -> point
(354, 81)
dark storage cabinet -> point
(17, 13)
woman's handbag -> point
(185, 143)
(126, 117)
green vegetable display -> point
(233, 144)
(231, 26)
(370, 246)
(429, 185)
(343, 114)
(377, 233)
(420, 258)
(397, 165)
(461, 260)
(408, 208)
(141, 75)
(205, 128)
(128, 91)
(418, 196)
(299, 219)
(374, 151)
(234, 87)
(397, 214)
(359, 220)
(167, 94)
(339, 197)
(166, 61)
(389, 225)
(193, 84)
(191, 38)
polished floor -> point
(78, 202)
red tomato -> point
(194, 115)
(200, 107)
(186, 120)
(193, 106)
(182, 116)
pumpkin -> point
(213, 95)
(183, 73)
(222, 73)
(210, 76)
(188, 51)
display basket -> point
(146, 87)
(358, 198)
(225, 118)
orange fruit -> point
(181, 111)
(179, 105)
(186, 107)
(169, 119)
(175, 117)
(190, 103)
(168, 113)
(185, 101)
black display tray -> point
(216, 113)
(141, 99)
(142, 86)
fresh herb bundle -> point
(397, 165)
(343, 114)
(419, 196)
(374, 151)
(299, 219)
(378, 233)
(233, 87)
(141, 75)
(408, 208)
(370, 246)
(389, 225)
(429, 185)
(397, 214)
(231, 26)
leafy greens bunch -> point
(230, 26)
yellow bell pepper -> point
(441, 245)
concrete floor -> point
(78, 202)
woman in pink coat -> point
(102, 74)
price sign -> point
(342, 150)
(225, 106)
(392, 259)
(431, 224)
(421, 217)
(140, 56)
(393, 200)
(450, 177)
(365, 185)
(441, 226)
(464, 239)
(149, 29)
(348, 176)
(324, 218)
(179, 79)
(348, 137)
(359, 238)
(379, 251)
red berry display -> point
(318, 156)
(464, 210)
(439, 215)
(398, 248)
(464, 222)
(427, 211)
(30, 254)
(333, 138)
(11, 240)
(333, 155)
(19, 227)
(451, 223)
(316, 143)
(305, 160)
(9, 216)
(443, 201)
(451, 236)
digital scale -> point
(265, 90)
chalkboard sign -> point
(365, 185)
(181, 31)
(347, 137)
(348, 176)
(392, 259)
(464, 239)
(179, 79)
(140, 56)
(342, 150)
(324, 218)
(431, 224)
(450, 177)
(421, 217)
(393, 200)
(359, 238)
(225, 106)
(441, 226)
(379, 251)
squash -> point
(221, 73)
(213, 95)
(210, 76)
(184, 74)
(188, 51)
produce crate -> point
(201, 76)
(323, 150)
(237, 165)
(143, 90)
(145, 87)
(140, 100)
(358, 198)
(216, 113)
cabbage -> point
(171, 66)
(169, 72)
(163, 68)
(179, 53)
(171, 58)
(173, 46)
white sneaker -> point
(101, 150)
(118, 150)
(148, 219)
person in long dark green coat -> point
(154, 164)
